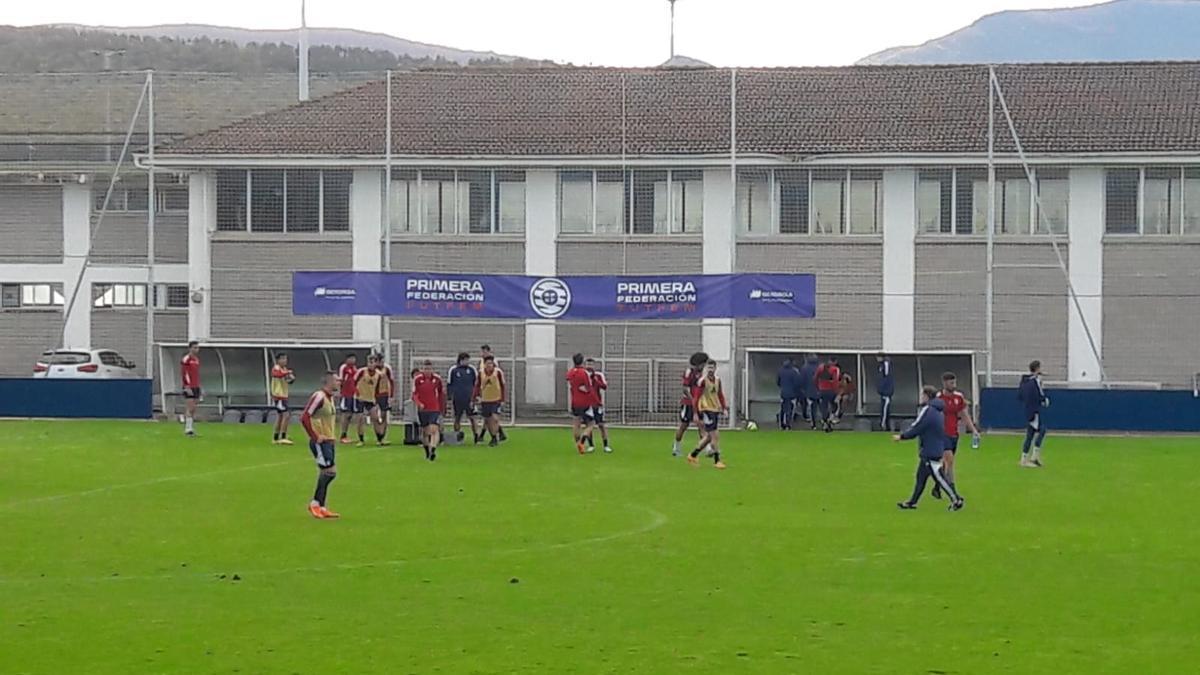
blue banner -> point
(711, 296)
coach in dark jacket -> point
(790, 388)
(808, 391)
(930, 429)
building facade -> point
(875, 179)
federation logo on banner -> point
(670, 296)
(550, 298)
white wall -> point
(899, 258)
(366, 226)
(77, 224)
(541, 260)
(1086, 269)
(719, 257)
(202, 222)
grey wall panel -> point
(630, 257)
(123, 331)
(1029, 304)
(170, 327)
(1152, 312)
(252, 288)
(31, 223)
(633, 340)
(23, 337)
(849, 294)
(480, 256)
(121, 238)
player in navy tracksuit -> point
(929, 427)
(887, 389)
(808, 391)
(790, 389)
(1034, 398)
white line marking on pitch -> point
(658, 519)
(144, 483)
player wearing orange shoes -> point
(281, 379)
(318, 420)
(709, 404)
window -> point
(1054, 192)
(1163, 191)
(114, 360)
(276, 200)
(799, 201)
(934, 200)
(110, 296)
(132, 196)
(1121, 201)
(828, 194)
(173, 200)
(640, 201)
(448, 201)
(866, 203)
(171, 296)
(1190, 209)
(18, 296)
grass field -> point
(128, 549)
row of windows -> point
(104, 296)
(799, 201)
(31, 296)
(955, 201)
(631, 202)
(133, 196)
(671, 201)
(1160, 200)
(277, 200)
(439, 201)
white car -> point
(101, 364)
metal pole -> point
(387, 205)
(672, 28)
(1062, 263)
(150, 210)
(302, 89)
(989, 318)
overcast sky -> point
(600, 32)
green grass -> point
(120, 542)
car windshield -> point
(66, 358)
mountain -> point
(332, 37)
(1122, 30)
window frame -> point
(633, 179)
(247, 206)
(130, 290)
(414, 180)
(54, 295)
(807, 178)
(162, 297)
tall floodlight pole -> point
(303, 89)
(672, 27)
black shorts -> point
(598, 414)
(952, 444)
(281, 405)
(193, 393)
(489, 409)
(686, 414)
(322, 452)
(364, 406)
(583, 414)
(463, 407)
(384, 403)
(710, 420)
(350, 405)
(430, 418)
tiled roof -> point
(1135, 107)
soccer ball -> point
(751, 426)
